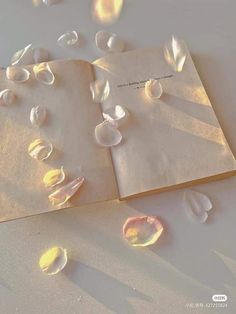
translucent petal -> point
(38, 115)
(23, 56)
(17, 74)
(100, 90)
(115, 43)
(142, 231)
(197, 206)
(43, 73)
(40, 55)
(175, 54)
(53, 260)
(115, 115)
(6, 97)
(36, 3)
(153, 89)
(68, 39)
(107, 11)
(107, 134)
(101, 40)
(50, 2)
(40, 149)
(54, 177)
(64, 193)
(107, 42)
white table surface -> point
(104, 274)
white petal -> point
(116, 115)
(17, 74)
(40, 149)
(63, 194)
(7, 97)
(153, 89)
(115, 43)
(38, 115)
(68, 39)
(43, 73)
(107, 134)
(23, 56)
(101, 40)
(197, 206)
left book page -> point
(72, 117)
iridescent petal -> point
(17, 74)
(38, 115)
(43, 73)
(153, 89)
(53, 260)
(64, 193)
(68, 39)
(54, 177)
(40, 149)
(197, 206)
(107, 135)
(175, 54)
(100, 90)
(6, 97)
(142, 231)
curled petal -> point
(6, 97)
(23, 56)
(115, 115)
(63, 194)
(101, 40)
(197, 206)
(153, 89)
(68, 39)
(38, 115)
(115, 43)
(17, 74)
(53, 260)
(54, 177)
(40, 149)
(43, 73)
(108, 42)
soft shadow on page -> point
(167, 142)
(72, 117)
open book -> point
(175, 142)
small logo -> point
(219, 298)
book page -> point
(72, 117)
(170, 142)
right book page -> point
(171, 142)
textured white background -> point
(104, 275)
